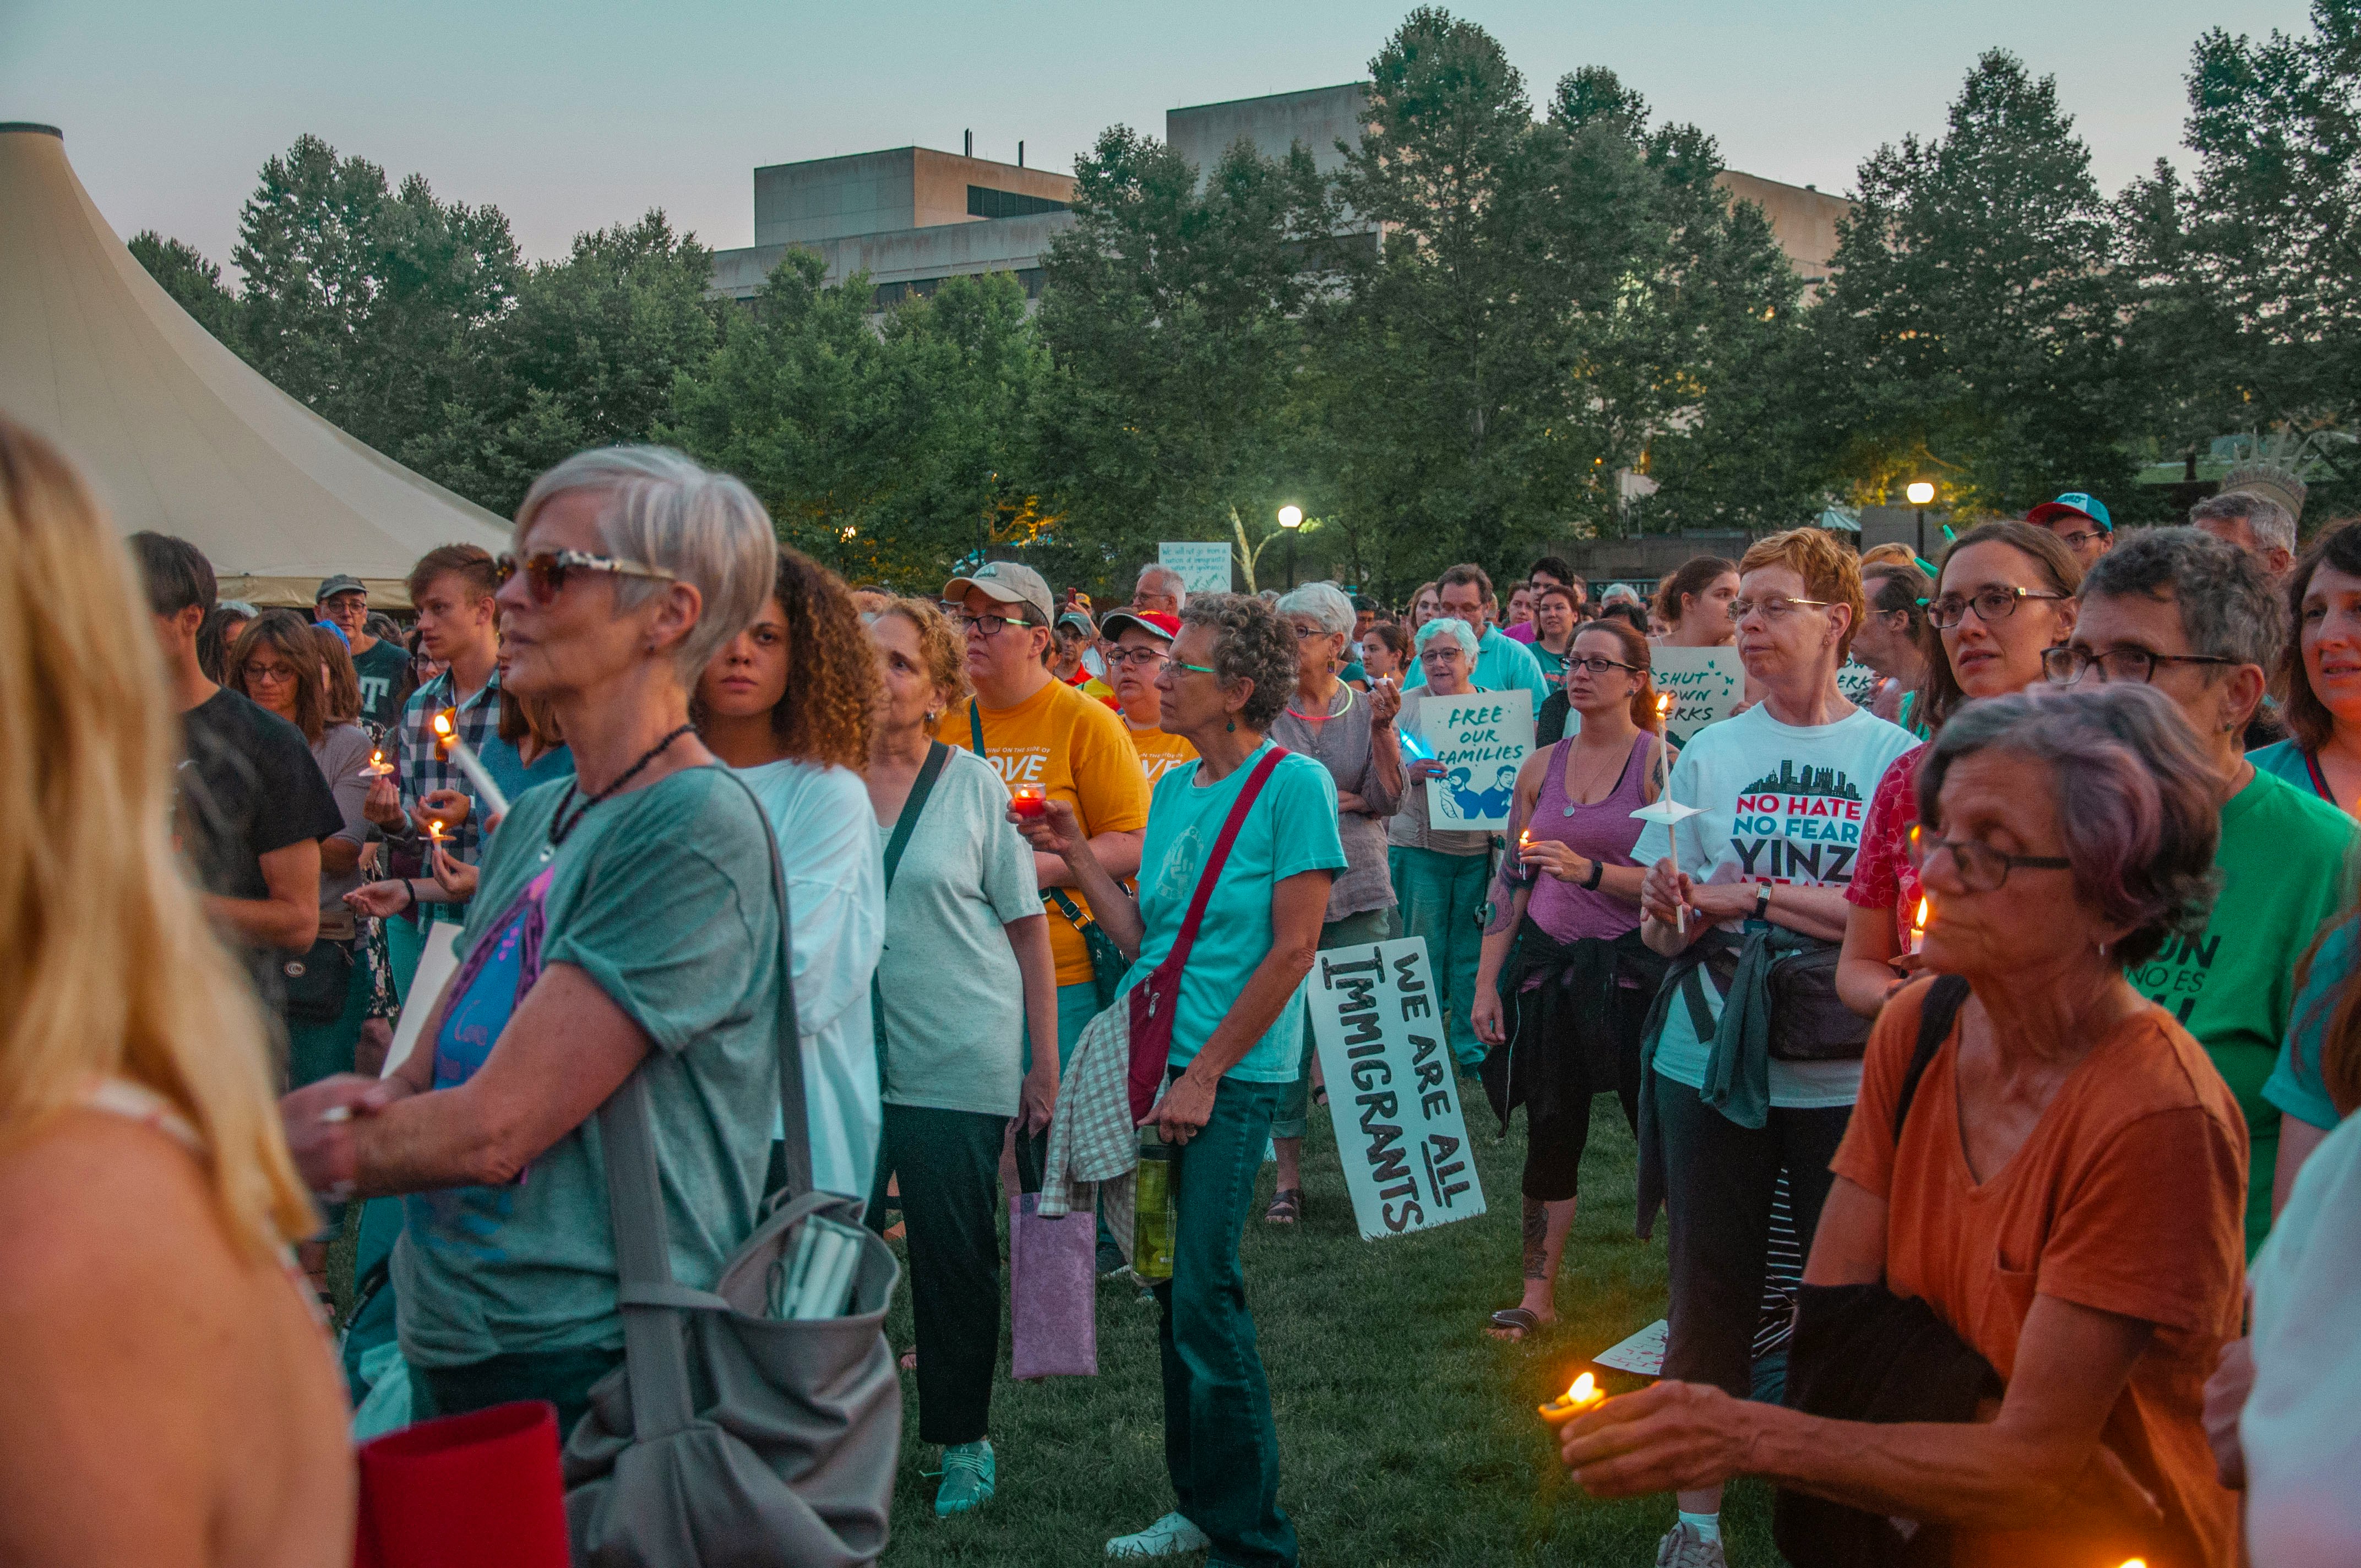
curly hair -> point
(1254, 644)
(943, 649)
(825, 714)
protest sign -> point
(1481, 739)
(1705, 683)
(1643, 1353)
(1858, 682)
(1392, 1088)
(1204, 568)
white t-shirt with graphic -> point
(1782, 803)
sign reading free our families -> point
(1392, 1090)
(1481, 739)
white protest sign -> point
(1204, 568)
(1858, 682)
(1481, 739)
(1643, 1353)
(437, 962)
(1392, 1090)
(1705, 683)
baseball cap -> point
(1080, 618)
(1155, 622)
(2073, 503)
(339, 583)
(1007, 582)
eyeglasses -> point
(1775, 607)
(271, 673)
(1196, 669)
(1990, 604)
(545, 571)
(1306, 633)
(1137, 658)
(1599, 666)
(1981, 868)
(2064, 666)
(2076, 541)
(984, 625)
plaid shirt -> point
(420, 765)
(1092, 1138)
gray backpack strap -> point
(656, 1349)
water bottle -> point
(1154, 1217)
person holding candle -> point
(1351, 735)
(1385, 651)
(1564, 981)
(1439, 874)
(172, 1397)
(626, 923)
(2319, 672)
(788, 703)
(2004, 596)
(1754, 880)
(1237, 1039)
(2062, 1183)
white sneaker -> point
(1683, 1547)
(1168, 1537)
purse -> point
(317, 980)
(1156, 1000)
(1809, 1021)
(1053, 1327)
(731, 1438)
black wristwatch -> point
(1762, 902)
(1597, 875)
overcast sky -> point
(574, 116)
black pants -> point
(1719, 1179)
(564, 1377)
(949, 1163)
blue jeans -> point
(1440, 896)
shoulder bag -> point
(1108, 965)
(1155, 999)
(731, 1438)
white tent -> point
(177, 433)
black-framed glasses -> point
(1137, 658)
(1775, 607)
(1597, 665)
(984, 625)
(545, 570)
(1981, 868)
(2065, 666)
(1992, 605)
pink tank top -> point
(1568, 910)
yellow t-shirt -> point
(1159, 753)
(1076, 750)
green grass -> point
(1406, 1435)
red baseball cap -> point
(1155, 622)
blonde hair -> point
(108, 967)
(1829, 572)
(944, 650)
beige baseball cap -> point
(1008, 582)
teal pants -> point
(316, 1052)
(405, 944)
(1442, 898)
(1353, 931)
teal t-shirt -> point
(1291, 829)
(379, 671)
(2282, 863)
(2285, 760)
(2294, 1085)
(663, 897)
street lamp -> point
(1920, 493)
(1290, 517)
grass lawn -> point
(1406, 1435)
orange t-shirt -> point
(1072, 748)
(1160, 752)
(2129, 1197)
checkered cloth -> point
(1093, 1140)
(420, 764)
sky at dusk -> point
(576, 115)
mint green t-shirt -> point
(1291, 829)
(2282, 862)
(2294, 1085)
(663, 897)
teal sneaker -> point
(967, 1478)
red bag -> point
(473, 1491)
(1155, 1001)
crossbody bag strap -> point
(975, 726)
(1178, 958)
(1936, 1014)
(656, 1350)
(903, 825)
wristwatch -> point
(1762, 901)
(1597, 873)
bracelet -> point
(1597, 875)
(411, 888)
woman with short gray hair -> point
(1439, 873)
(625, 923)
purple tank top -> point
(1568, 910)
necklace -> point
(1350, 698)
(560, 824)
(1574, 797)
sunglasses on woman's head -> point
(545, 570)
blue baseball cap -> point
(2073, 503)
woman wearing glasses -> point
(1351, 734)
(2004, 597)
(1564, 981)
(1439, 872)
(1746, 1071)
(2059, 1184)
(1139, 643)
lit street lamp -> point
(1290, 517)
(1921, 493)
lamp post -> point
(1290, 517)
(1920, 493)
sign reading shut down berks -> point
(1392, 1088)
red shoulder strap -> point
(1213, 862)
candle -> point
(377, 766)
(1918, 928)
(1029, 801)
(446, 731)
(1582, 1394)
(435, 836)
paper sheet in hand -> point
(436, 964)
(1643, 1353)
(1481, 739)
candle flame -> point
(1921, 921)
(434, 831)
(2134, 1562)
(1584, 1389)
(1663, 704)
(446, 729)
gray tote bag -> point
(729, 1438)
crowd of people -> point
(1986, 1042)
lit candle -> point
(1029, 801)
(1918, 928)
(1582, 1394)
(377, 766)
(435, 836)
(446, 731)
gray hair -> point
(2272, 524)
(2228, 609)
(1252, 643)
(664, 509)
(1321, 602)
(1158, 579)
(1450, 625)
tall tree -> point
(195, 283)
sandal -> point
(1320, 1094)
(1523, 1322)
(1285, 1207)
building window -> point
(983, 201)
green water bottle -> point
(1154, 1218)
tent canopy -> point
(175, 431)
